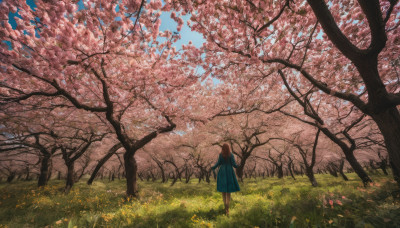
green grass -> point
(260, 203)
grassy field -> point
(260, 203)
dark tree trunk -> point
(70, 177)
(153, 177)
(279, 169)
(343, 175)
(130, 172)
(372, 166)
(357, 168)
(332, 170)
(44, 171)
(140, 175)
(207, 175)
(28, 177)
(188, 174)
(163, 178)
(291, 171)
(187, 179)
(50, 172)
(173, 181)
(102, 161)
(273, 171)
(200, 176)
(389, 124)
(311, 177)
(341, 166)
(239, 172)
(11, 177)
(383, 166)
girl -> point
(226, 179)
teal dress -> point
(226, 179)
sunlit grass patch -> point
(269, 202)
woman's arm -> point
(233, 162)
(217, 164)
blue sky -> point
(167, 23)
(186, 33)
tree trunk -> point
(28, 177)
(383, 165)
(70, 177)
(44, 171)
(344, 176)
(10, 177)
(332, 170)
(207, 175)
(188, 174)
(341, 166)
(239, 172)
(50, 170)
(153, 178)
(102, 161)
(279, 170)
(291, 171)
(163, 178)
(200, 176)
(357, 168)
(140, 175)
(311, 177)
(130, 172)
(389, 124)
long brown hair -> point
(226, 152)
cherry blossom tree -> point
(27, 135)
(245, 133)
(116, 64)
(319, 122)
(347, 49)
(73, 147)
(309, 161)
